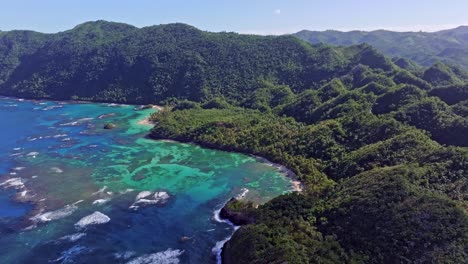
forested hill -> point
(448, 46)
(115, 62)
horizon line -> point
(278, 32)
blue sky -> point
(253, 16)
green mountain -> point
(106, 61)
(448, 46)
(380, 145)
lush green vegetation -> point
(380, 145)
(448, 46)
(372, 149)
(377, 190)
(104, 61)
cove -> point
(83, 194)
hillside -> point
(448, 46)
(105, 61)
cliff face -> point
(237, 212)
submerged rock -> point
(96, 218)
(110, 126)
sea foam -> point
(73, 237)
(68, 255)
(101, 201)
(165, 257)
(96, 218)
(54, 215)
(16, 183)
(143, 199)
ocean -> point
(73, 192)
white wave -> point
(68, 255)
(78, 202)
(165, 257)
(54, 215)
(243, 193)
(19, 168)
(60, 135)
(126, 191)
(13, 183)
(106, 115)
(96, 218)
(100, 190)
(56, 170)
(101, 201)
(158, 198)
(161, 196)
(77, 122)
(51, 107)
(142, 194)
(217, 249)
(17, 149)
(124, 255)
(73, 237)
(34, 153)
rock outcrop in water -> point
(238, 212)
(110, 126)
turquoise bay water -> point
(56, 158)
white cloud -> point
(277, 11)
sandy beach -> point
(145, 122)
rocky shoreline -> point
(237, 217)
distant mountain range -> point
(448, 46)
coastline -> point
(66, 101)
(296, 185)
(147, 121)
